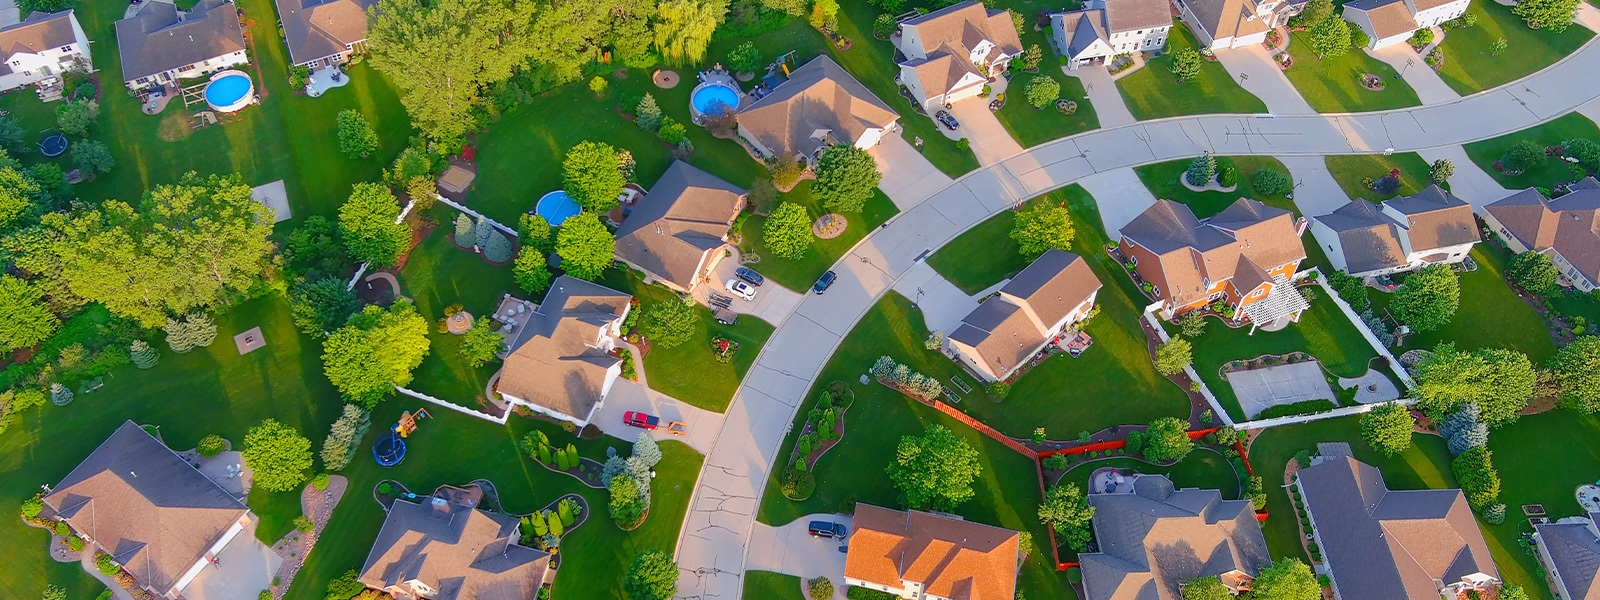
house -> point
(161, 45)
(678, 232)
(323, 33)
(1569, 549)
(1056, 291)
(1383, 544)
(1389, 22)
(41, 47)
(1566, 228)
(443, 547)
(820, 105)
(177, 532)
(560, 361)
(1401, 234)
(1219, 24)
(1154, 538)
(1107, 28)
(952, 52)
(918, 555)
(1243, 256)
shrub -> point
(999, 389)
(1305, 407)
(1521, 156)
(1057, 462)
(1475, 472)
(820, 588)
(320, 481)
(1421, 37)
(1495, 513)
(212, 445)
(1042, 90)
(1185, 65)
(1534, 272)
(32, 507)
(106, 565)
(303, 524)
(1269, 182)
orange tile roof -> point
(950, 557)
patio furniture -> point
(1077, 344)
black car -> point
(749, 275)
(824, 282)
(827, 529)
(948, 121)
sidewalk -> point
(1430, 88)
(1102, 92)
(1255, 71)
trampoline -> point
(52, 145)
(390, 450)
(556, 207)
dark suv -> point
(750, 275)
(827, 529)
(824, 282)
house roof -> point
(1196, 253)
(553, 360)
(1369, 239)
(157, 40)
(819, 97)
(1009, 328)
(1134, 15)
(316, 29)
(1081, 29)
(685, 215)
(39, 32)
(460, 551)
(1054, 284)
(1002, 334)
(1389, 17)
(1436, 219)
(1427, 4)
(961, 26)
(1387, 544)
(1155, 537)
(152, 511)
(1575, 555)
(1569, 224)
(951, 557)
(1223, 19)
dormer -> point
(980, 52)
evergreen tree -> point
(647, 115)
(1201, 170)
(202, 329)
(645, 448)
(143, 355)
(481, 233)
(60, 395)
(178, 336)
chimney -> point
(441, 507)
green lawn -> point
(1204, 469)
(1032, 126)
(1333, 84)
(1490, 316)
(1469, 68)
(1165, 181)
(1350, 169)
(775, 586)
(1153, 92)
(435, 276)
(799, 274)
(985, 254)
(1550, 133)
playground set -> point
(391, 449)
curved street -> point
(717, 530)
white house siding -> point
(869, 138)
(1200, 33)
(754, 142)
(1439, 14)
(1139, 40)
(1579, 280)
(28, 68)
(192, 71)
(1505, 234)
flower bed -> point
(724, 349)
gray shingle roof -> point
(552, 361)
(685, 215)
(39, 32)
(316, 29)
(1575, 553)
(464, 553)
(1370, 239)
(156, 40)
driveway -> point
(628, 395)
(1258, 389)
(773, 302)
(790, 549)
(1316, 192)
(1256, 72)
(943, 305)
(908, 177)
(1430, 88)
(1120, 195)
(242, 569)
(1102, 93)
(1470, 183)
(989, 139)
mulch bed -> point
(294, 547)
(1197, 402)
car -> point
(641, 420)
(741, 289)
(827, 529)
(948, 121)
(824, 282)
(750, 275)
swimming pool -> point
(713, 98)
(229, 91)
(556, 207)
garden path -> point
(1430, 88)
(1102, 93)
(627, 395)
(1257, 73)
(1470, 183)
(791, 550)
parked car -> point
(741, 289)
(824, 282)
(827, 529)
(640, 420)
(948, 121)
(748, 274)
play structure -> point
(391, 449)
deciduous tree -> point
(1173, 356)
(935, 470)
(356, 136)
(1428, 298)
(1388, 428)
(1521, 156)
(1042, 228)
(651, 576)
(25, 318)
(531, 270)
(367, 224)
(1534, 272)
(586, 247)
(1554, 15)
(1499, 381)
(1066, 510)
(279, 456)
(684, 28)
(668, 323)
(1206, 588)
(78, 118)
(846, 177)
(1441, 170)
(1185, 64)
(1167, 440)
(787, 232)
(593, 176)
(745, 58)
(91, 157)
(480, 344)
(1042, 90)
(1576, 368)
(19, 194)
(1287, 579)
(375, 351)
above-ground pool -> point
(713, 98)
(556, 207)
(229, 91)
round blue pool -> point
(556, 207)
(229, 91)
(714, 98)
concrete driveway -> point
(1120, 196)
(1470, 183)
(989, 139)
(1102, 93)
(908, 177)
(1256, 72)
(943, 305)
(1258, 389)
(628, 395)
(242, 569)
(1430, 88)
(1316, 192)
(790, 549)
(773, 302)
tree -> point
(314, 250)
(647, 115)
(1498, 381)
(91, 157)
(1496, 48)
(1587, 152)
(143, 355)
(785, 170)
(819, 588)
(1428, 298)
(278, 456)
(1462, 429)
(53, 592)
(1576, 368)
(13, 138)
(1359, 38)
(1512, 592)
(599, 85)
(935, 470)
(651, 576)
(1042, 228)
(1388, 428)
(1268, 181)
(823, 13)
(585, 245)
(1185, 65)
(18, 195)
(1066, 510)
(1441, 170)
(60, 395)
(25, 318)
(1521, 156)
(1475, 473)
(627, 504)
(78, 118)
(1554, 15)
(1287, 579)
(846, 177)
(411, 162)
(1032, 57)
(367, 224)
(646, 449)
(1042, 90)
(531, 270)
(192, 331)
(356, 136)
(787, 232)
(534, 232)
(54, 191)
(1167, 440)
(593, 176)
(341, 444)
(321, 305)
(1173, 356)
(668, 323)
(1534, 272)
(375, 351)
(1315, 11)
(1201, 170)
(745, 58)
(1206, 588)
(684, 28)
(1193, 324)
(480, 344)
(482, 232)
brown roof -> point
(39, 32)
(1001, 333)
(960, 27)
(146, 507)
(1369, 238)
(1053, 284)
(685, 215)
(941, 72)
(1436, 219)
(1007, 329)
(1570, 224)
(1389, 17)
(156, 40)
(1226, 18)
(950, 557)
(1194, 253)
(1574, 551)
(1423, 5)
(554, 362)
(316, 29)
(456, 550)
(820, 96)
(1134, 15)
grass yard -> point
(799, 274)
(1550, 133)
(1469, 68)
(1202, 468)
(1031, 126)
(1165, 180)
(1153, 92)
(1333, 84)
(439, 274)
(776, 586)
(1350, 170)
(1490, 316)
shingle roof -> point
(1389, 17)
(1081, 29)
(1226, 18)
(1193, 252)
(1054, 284)
(1427, 4)
(1134, 15)
(462, 552)
(156, 40)
(1370, 239)
(316, 29)
(1575, 553)
(553, 362)
(685, 215)
(1003, 332)
(39, 32)
(819, 95)
(1436, 219)
(1569, 224)
(1384, 544)
(951, 557)
(153, 512)
(960, 26)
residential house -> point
(950, 54)
(678, 232)
(444, 547)
(1383, 544)
(1053, 293)
(323, 33)
(1107, 28)
(1389, 22)
(820, 105)
(1566, 228)
(1154, 538)
(176, 531)
(1219, 24)
(161, 45)
(40, 48)
(560, 361)
(1401, 234)
(1569, 549)
(918, 555)
(1244, 256)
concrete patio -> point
(325, 79)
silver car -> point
(740, 288)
